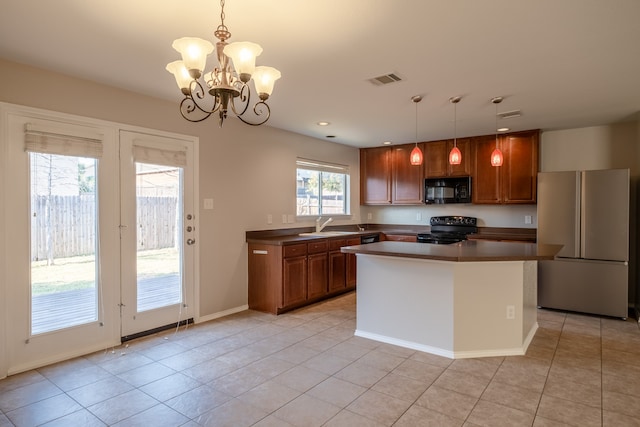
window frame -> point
(322, 166)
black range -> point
(449, 229)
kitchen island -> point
(468, 299)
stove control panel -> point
(453, 220)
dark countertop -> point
(466, 251)
(289, 236)
(289, 239)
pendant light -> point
(455, 156)
(496, 155)
(416, 154)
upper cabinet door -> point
(436, 158)
(515, 182)
(407, 179)
(375, 176)
(485, 183)
(520, 167)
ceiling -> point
(564, 64)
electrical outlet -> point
(369, 215)
(418, 216)
(208, 204)
(269, 219)
(527, 219)
(511, 312)
(284, 218)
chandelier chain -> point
(222, 32)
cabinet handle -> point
(260, 252)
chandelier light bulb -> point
(243, 55)
(182, 76)
(194, 53)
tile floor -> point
(306, 369)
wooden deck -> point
(65, 309)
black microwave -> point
(447, 190)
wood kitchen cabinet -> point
(294, 283)
(337, 266)
(318, 269)
(375, 176)
(283, 277)
(515, 182)
(436, 158)
(407, 180)
(351, 265)
(387, 176)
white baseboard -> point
(220, 314)
(63, 356)
(516, 351)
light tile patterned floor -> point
(306, 368)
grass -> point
(79, 272)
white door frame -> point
(9, 341)
(134, 322)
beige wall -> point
(249, 172)
(599, 147)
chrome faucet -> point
(320, 227)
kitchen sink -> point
(327, 233)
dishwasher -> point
(372, 238)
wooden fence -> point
(67, 225)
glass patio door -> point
(63, 241)
(157, 232)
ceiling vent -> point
(510, 114)
(385, 79)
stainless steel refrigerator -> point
(588, 213)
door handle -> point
(191, 241)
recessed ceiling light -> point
(323, 123)
(387, 143)
(503, 129)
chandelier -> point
(227, 84)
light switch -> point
(284, 218)
(208, 204)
